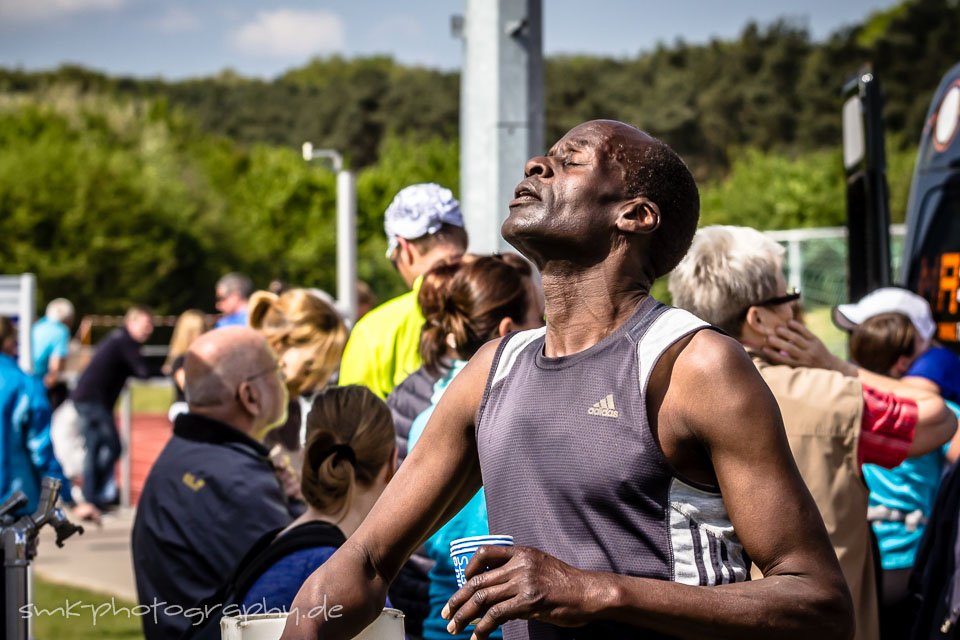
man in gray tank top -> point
(637, 459)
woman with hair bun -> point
(349, 458)
(466, 305)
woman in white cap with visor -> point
(927, 364)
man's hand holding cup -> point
(507, 582)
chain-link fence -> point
(816, 264)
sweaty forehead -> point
(604, 136)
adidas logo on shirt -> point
(604, 408)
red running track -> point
(150, 433)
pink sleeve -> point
(889, 424)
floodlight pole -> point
(346, 228)
(501, 110)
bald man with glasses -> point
(213, 492)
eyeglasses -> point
(275, 369)
(792, 296)
(773, 302)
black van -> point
(931, 259)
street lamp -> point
(346, 228)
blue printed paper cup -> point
(476, 541)
(462, 550)
(479, 541)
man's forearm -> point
(54, 367)
(339, 600)
(507, 583)
(786, 605)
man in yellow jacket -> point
(424, 225)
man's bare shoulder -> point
(486, 353)
(711, 356)
(469, 384)
(482, 360)
(716, 370)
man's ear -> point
(505, 327)
(248, 398)
(754, 321)
(638, 215)
(409, 253)
(403, 251)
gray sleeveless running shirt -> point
(570, 466)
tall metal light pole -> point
(501, 112)
(346, 228)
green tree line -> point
(113, 202)
(115, 190)
(772, 88)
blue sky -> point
(187, 38)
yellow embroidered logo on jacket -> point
(191, 481)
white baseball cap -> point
(888, 300)
(419, 210)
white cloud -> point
(176, 20)
(289, 33)
(22, 11)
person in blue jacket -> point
(26, 451)
(465, 304)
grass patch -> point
(820, 322)
(81, 625)
(151, 398)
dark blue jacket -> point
(210, 495)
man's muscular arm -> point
(716, 400)
(438, 477)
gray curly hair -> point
(726, 270)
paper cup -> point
(475, 541)
(269, 626)
(462, 550)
